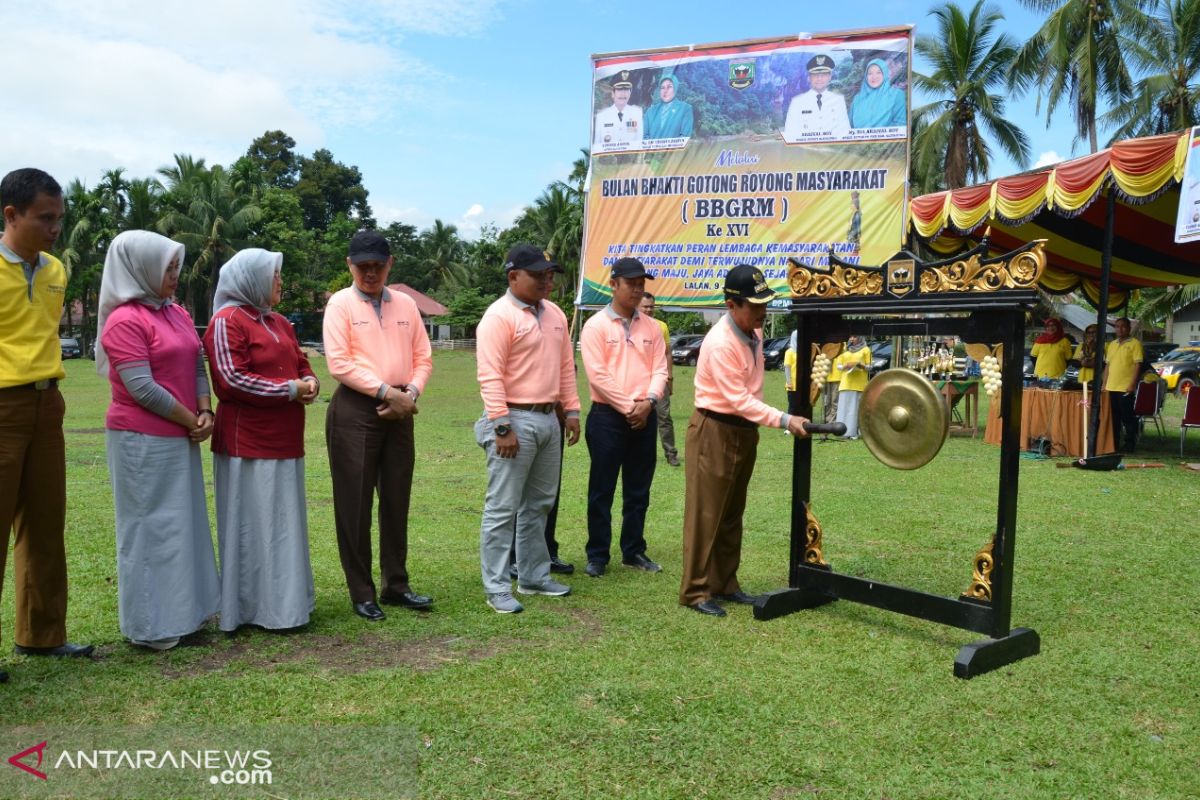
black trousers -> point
(1123, 418)
(369, 455)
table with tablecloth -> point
(966, 392)
(1056, 415)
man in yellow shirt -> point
(1122, 360)
(33, 470)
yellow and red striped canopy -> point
(1057, 203)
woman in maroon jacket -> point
(263, 381)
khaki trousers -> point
(33, 504)
(720, 461)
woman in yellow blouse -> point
(1051, 349)
(1085, 354)
(854, 367)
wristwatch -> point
(503, 430)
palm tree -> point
(145, 201)
(1165, 46)
(1077, 55)
(443, 254)
(969, 58)
(113, 190)
(559, 218)
(212, 221)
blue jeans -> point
(615, 448)
(521, 488)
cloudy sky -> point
(460, 110)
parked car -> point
(1180, 368)
(687, 350)
(319, 347)
(881, 357)
(773, 350)
(70, 347)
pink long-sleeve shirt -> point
(729, 375)
(623, 365)
(524, 358)
(365, 350)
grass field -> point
(616, 691)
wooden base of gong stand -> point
(978, 299)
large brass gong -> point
(902, 419)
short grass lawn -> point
(616, 691)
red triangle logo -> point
(16, 760)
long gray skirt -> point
(847, 411)
(166, 571)
(262, 533)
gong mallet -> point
(834, 428)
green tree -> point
(969, 57)
(213, 221)
(1165, 46)
(274, 155)
(443, 255)
(466, 307)
(327, 188)
(1076, 56)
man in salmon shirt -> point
(525, 365)
(722, 443)
(626, 366)
(377, 349)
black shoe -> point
(738, 597)
(708, 607)
(63, 650)
(641, 562)
(3, 676)
(559, 566)
(595, 569)
(673, 461)
(408, 600)
(369, 611)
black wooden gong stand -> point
(992, 316)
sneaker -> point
(550, 588)
(673, 461)
(504, 603)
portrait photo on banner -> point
(845, 91)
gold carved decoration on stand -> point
(812, 541)
(981, 577)
(971, 273)
(839, 281)
(976, 275)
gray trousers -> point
(521, 488)
(831, 401)
(666, 426)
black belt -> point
(40, 386)
(541, 408)
(728, 419)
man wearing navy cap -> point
(526, 370)
(377, 350)
(619, 127)
(722, 444)
(818, 114)
(626, 366)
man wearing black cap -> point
(818, 114)
(526, 367)
(377, 349)
(619, 127)
(626, 366)
(722, 443)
